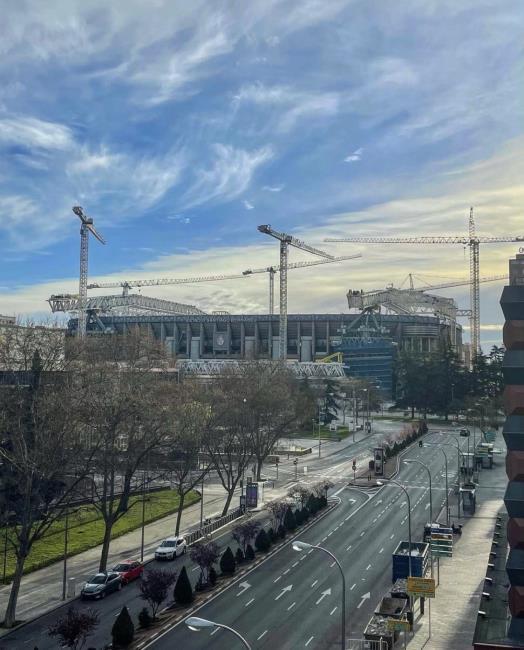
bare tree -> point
(204, 555)
(188, 417)
(245, 533)
(227, 442)
(74, 628)
(154, 587)
(278, 509)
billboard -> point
(252, 495)
(378, 457)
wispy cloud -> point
(248, 205)
(292, 105)
(229, 175)
(356, 155)
(34, 133)
(273, 188)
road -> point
(362, 531)
(293, 600)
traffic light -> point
(295, 462)
(354, 464)
(420, 443)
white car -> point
(171, 548)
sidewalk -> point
(455, 607)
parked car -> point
(101, 584)
(129, 570)
(171, 548)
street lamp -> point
(195, 624)
(392, 480)
(427, 444)
(410, 461)
(304, 546)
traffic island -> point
(174, 614)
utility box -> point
(419, 560)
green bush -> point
(227, 562)
(212, 576)
(305, 514)
(311, 504)
(250, 553)
(183, 592)
(144, 618)
(239, 556)
(298, 517)
(262, 542)
(271, 535)
(123, 629)
(289, 520)
(281, 531)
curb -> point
(169, 623)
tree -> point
(212, 576)
(43, 457)
(245, 532)
(144, 618)
(262, 542)
(204, 555)
(227, 561)
(183, 592)
(289, 520)
(299, 493)
(278, 509)
(123, 629)
(239, 556)
(227, 441)
(154, 587)
(250, 553)
(188, 418)
(74, 628)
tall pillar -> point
(512, 303)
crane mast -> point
(472, 241)
(286, 241)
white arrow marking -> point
(352, 501)
(364, 597)
(403, 504)
(378, 502)
(288, 588)
(323, 595)
(427, 506)
(244, 586)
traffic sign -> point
(424, 587)
(398, 624)
(490, 436)
(441, 542)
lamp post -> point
(459, 453)
(429, 444)
(410, 461)
(392, 480)
(304, 546)
(195, 624)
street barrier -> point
(209, 528)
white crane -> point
(286, 241)
(86, 228)
(294, 265)
(471, 240)
(128, 284)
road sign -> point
(252, 495)
(424, 587)
(441, 542)
(490, 436)
(398, 624)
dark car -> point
(464, 433)
(129, 570)
(101, 584)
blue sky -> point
(180, 127)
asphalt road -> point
(293, 600)
(362, 532)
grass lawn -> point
(324, 433)
(86, 529)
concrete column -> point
(188, 340)
(313, 341)
(201, 352)
(242, 339)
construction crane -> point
(472, 241)
(272, 270)
(86, 228)
(128, 284)
(285, 242)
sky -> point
(180, 127)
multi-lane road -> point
(292, 600)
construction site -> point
(362, 343)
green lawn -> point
(86, 529)
(324, 433)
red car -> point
(129, 570)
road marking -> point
(427, 506)
(195, 569)
(349, 547)
(291, 606)
(314, 584)
(309, 552)
(263, 634)
(381, 550)
(375, 520)
(325, 593)
(249, 602)
(353, 587)
(288, 588)
(331, 533)
(244, 586)
(294, 565)
(391, 536)
(214, 631)
(309, 641)
(324, 538)
(362, 533)
(333, 611)
(277, 579)
(332, 565)
(286, 572)
(339, 491)
(368, 567)
(363, 599)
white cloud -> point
(35, 134)
(273, 188)
(248, 205)
(15, 211)
(356, 155)
(292, 105)
(230, 174)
